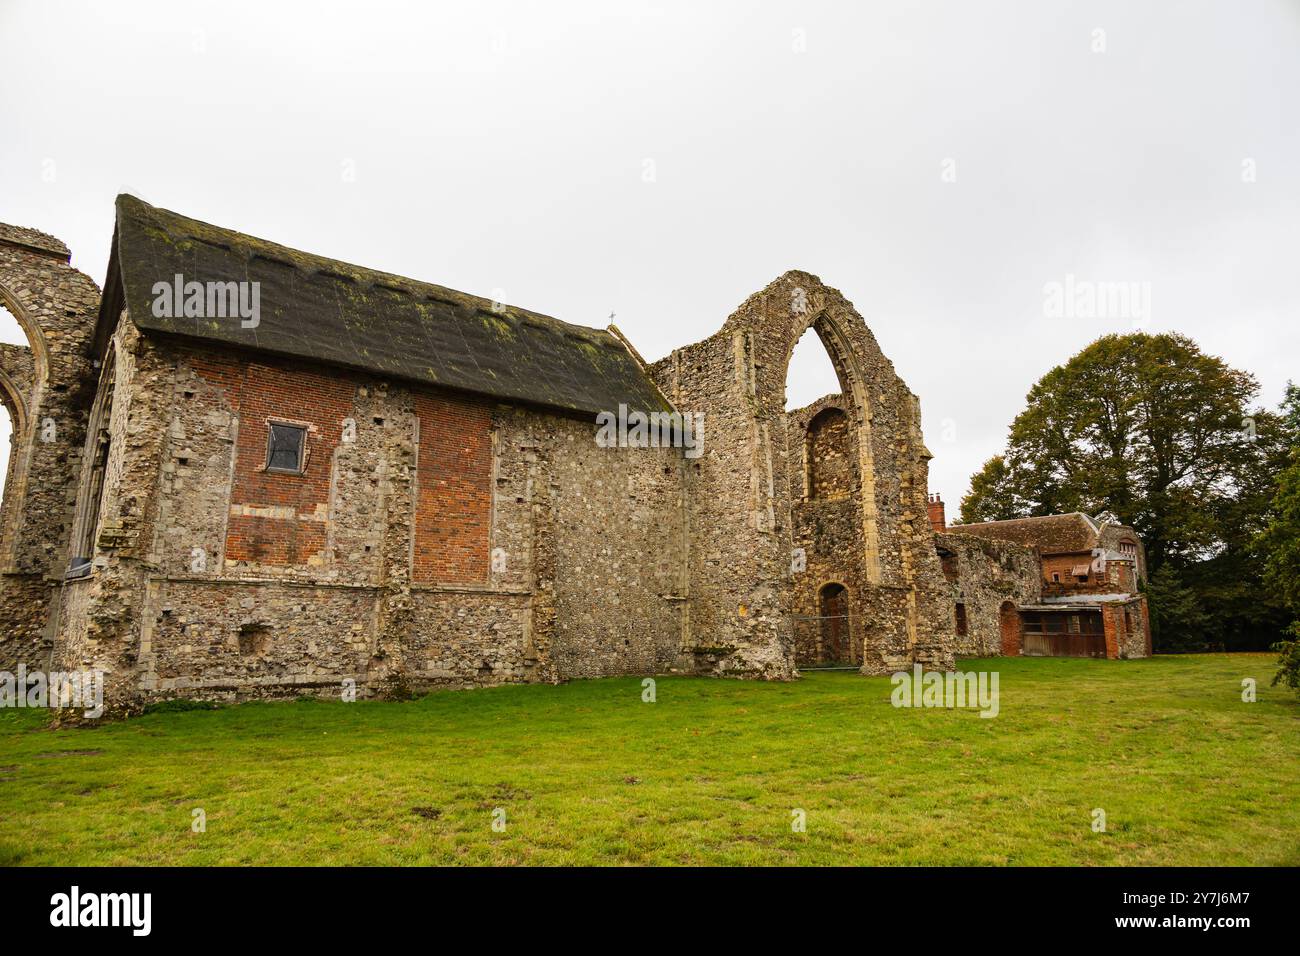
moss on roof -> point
(317, 308)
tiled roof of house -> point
(317, 308)
(1051, 534)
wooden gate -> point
(826, 639)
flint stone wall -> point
(437, 539)
(46, 391)
(827, 525)
(987, 574)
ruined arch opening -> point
(832, 519)
(822, 352)
(11, 401)
(811, 371)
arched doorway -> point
(836, 646)
(1009, 619)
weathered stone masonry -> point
(46, 389)
(451, 520)
(744, 489)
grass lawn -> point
(708, 774)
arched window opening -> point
(99, 441)
(830, 470)
(20, 383)
(811, 373)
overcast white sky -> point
(506, 146)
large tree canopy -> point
(1150, 431)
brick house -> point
(1088, 602)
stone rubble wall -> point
(988, 573)
(436, 539)
(1127, 626)
(47, 392)
(827, 522)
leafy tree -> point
(992, 497)
(1281, 539)
(1288, 665)
(1176, 613)
(1280, 543)
(1290, 410)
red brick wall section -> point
(1146, 626)
(258, 393)
(1010, 625)
(938, 520)
(454, 494)
(454, 471)
(1112, 619)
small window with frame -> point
(286, 448)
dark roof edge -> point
(615, 331)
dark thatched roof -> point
(321, 309)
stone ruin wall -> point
(304, 581)
(826, 489)
(741, 491)
(983, 574)
(573, 561)
(45, 389)
(1127, 626)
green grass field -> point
(710, 773)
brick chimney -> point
(937, 519)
